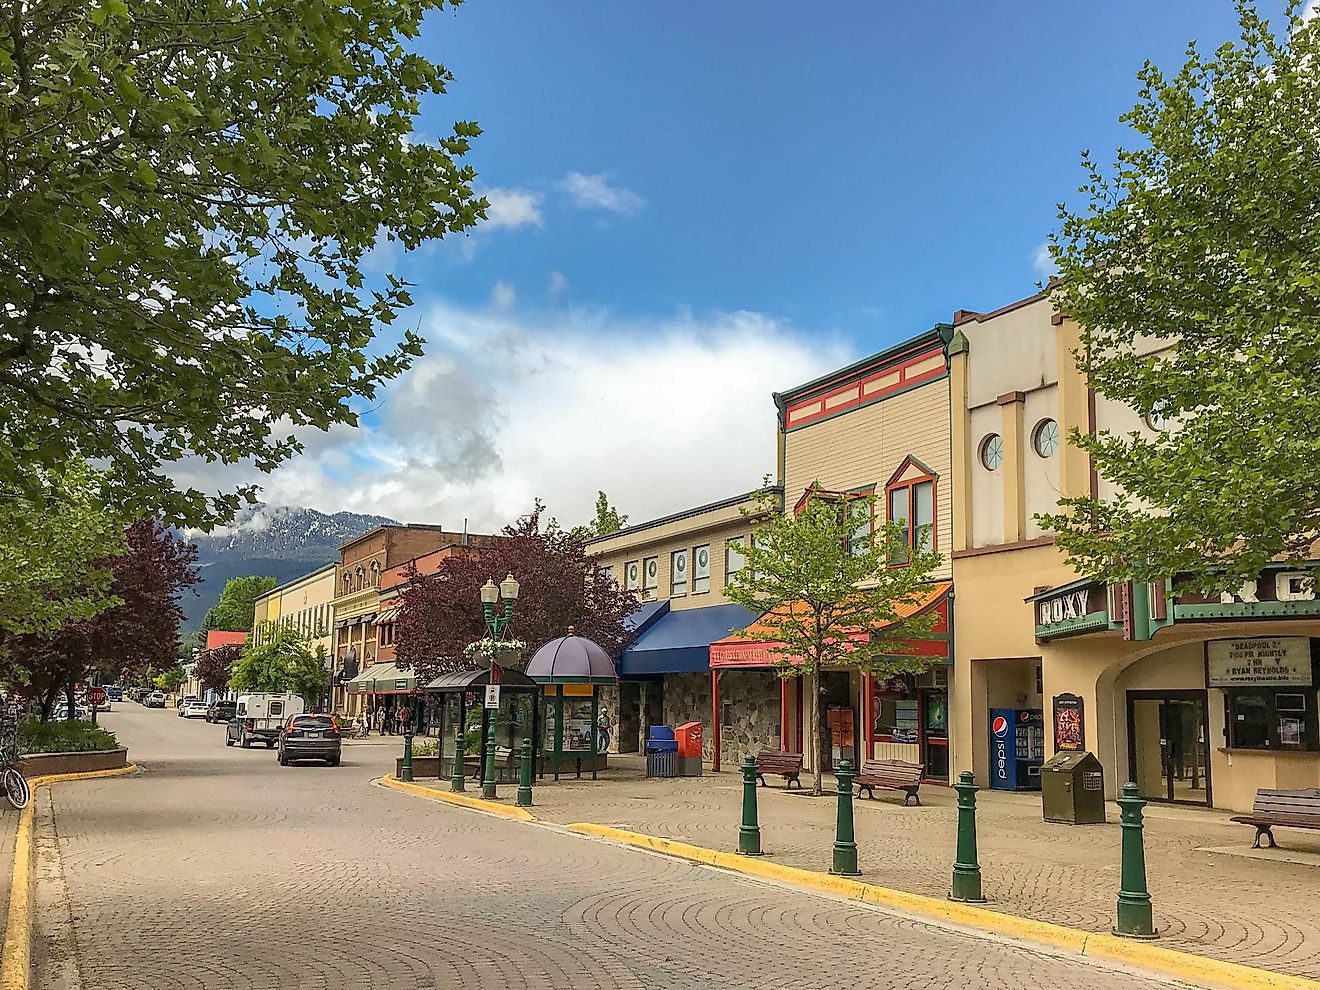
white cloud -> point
(558, 283)
(594, 192)
(512, 208)
(503, 295)
(1041, 260)
(663, 414)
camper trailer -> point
(259, 717)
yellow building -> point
(303, 604)
(879, 426)
(1199, 701)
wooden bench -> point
(787, 765)
(894, 774)
(1289, 809)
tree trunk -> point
(813, 726)
(68, 696)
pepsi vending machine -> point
(1017, 748)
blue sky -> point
(694, 205)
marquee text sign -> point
(1264, 660)
(1070, 605)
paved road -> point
(216, 868)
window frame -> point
(909, 487)
(741, 543)
(635, 587)
(677, 588)
(1310, 736)
(693, 576)
(651, 590)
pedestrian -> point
(378, 716)
(363, 724)
(405, 717)
(603, 728)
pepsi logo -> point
(1000, 726)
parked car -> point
(193, 709)
(310, 737)
(61, 712)
(114, 692)
(260, 717)
(221, 711)
(182, 702)
(155, 699)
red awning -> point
(751, 650)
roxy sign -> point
(1071, 605)
(1281, 660)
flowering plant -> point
(488, 649)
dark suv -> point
(309, 737)
(221, 711)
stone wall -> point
(749, 714)
(42, 764)
(687, 699)
(609, 702)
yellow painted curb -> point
(1180, 965)
(462, 800)
(16, 955)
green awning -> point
(382, 678)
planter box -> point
(41, 764)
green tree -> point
(1194, 274)
(189, 190)
(236, 608)
(170, 680)
(54, 534)
(283, 662)
(830, 597)
(608, 520)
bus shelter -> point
(461, 704)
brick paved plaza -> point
(1256, 907)
(216, 868)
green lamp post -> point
(497, 628)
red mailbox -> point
(689, 740)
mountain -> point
(277, 541)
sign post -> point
(95, 698)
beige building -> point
(680, 565)
(877, 427)
(1199, 701)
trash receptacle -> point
(661, 752)
(688, 736)
(1073, 789)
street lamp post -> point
(497, 628)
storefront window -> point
(895, 712)
(1269, 718)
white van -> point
(259, 717)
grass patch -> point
(62, 736)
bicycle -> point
(15, 785)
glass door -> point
(1168, 752)
(935, 733)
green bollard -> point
(845, 848)
(1135, 919)
(488, 778)
(456, 779)
(524, 799)
(749, 833)
(966, 869)
(406, 774)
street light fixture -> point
(497, 627)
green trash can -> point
(1072, 789)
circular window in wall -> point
(1045, 438)
(1158, 417)
(650, 568)
(992, 452)
(703, 559)
(680, 562)
(632, 573)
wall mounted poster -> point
(1069, 725)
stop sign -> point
(96, 696)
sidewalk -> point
(1212, 893)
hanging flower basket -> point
(500, 652)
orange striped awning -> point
(755, 647)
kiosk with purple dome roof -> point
(571, 670)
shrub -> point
(61, 736)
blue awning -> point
(678, 642)
(644, 616)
